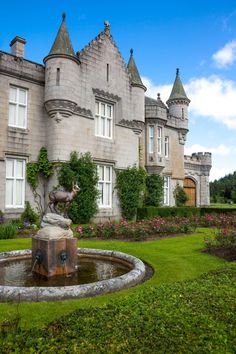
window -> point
(15, 183)
(166, 146)
(166, 190)
(105, 186)
(103, 119)
(151, 139)
(159, 140)
(17, 107)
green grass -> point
(188, 306)
(222, 205)
(173, 259)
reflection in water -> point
(19, 273)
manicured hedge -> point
(210, 210)
(150, 212)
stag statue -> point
(58, 196)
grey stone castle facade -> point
(91, 101)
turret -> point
(61, 76)
(178, 102)
(138, 89)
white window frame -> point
(105, 173)
(167, 146)
(166, 189)
(159, 140)
(17, 104)
(104, 120)
(151, 139)
(15, 179)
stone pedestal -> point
(54, 250)
(54, 257)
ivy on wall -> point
(130, 184)
(154, 190)
(38, 173)
(81, 170)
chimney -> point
(18, 46)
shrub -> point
(180, 196)
(150, 212)
(130, 184)
(1, 217)
(223, 238)
(154, 190)
(83, 171)
(29, 215)
(8, 231)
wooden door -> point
(190, 190)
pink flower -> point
(225, 232)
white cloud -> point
(220, 150)
(211, 97)
(226, 55)
(153, 89)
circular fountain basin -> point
(125, 271)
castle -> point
(92, 101)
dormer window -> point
(103, 119)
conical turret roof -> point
(178, 89)
(62, 44)
(135, 77)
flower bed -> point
(136, 230)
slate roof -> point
(152, 102)
(177, 89)
(62, 44)
(135, 77)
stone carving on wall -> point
(135, 125)
(58, 109)
(105, 95)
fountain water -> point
(55, 254)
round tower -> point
(178, 102)
(61, 76)
(138, 90)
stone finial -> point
(177, 72)
(158, 96)
(131, 51)
(63, 16)
(107, 27)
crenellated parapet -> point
(199, 162)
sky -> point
(198, 37)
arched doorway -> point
(190, 190)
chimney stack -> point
(18, 46)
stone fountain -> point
(54, 249)
(54, 254)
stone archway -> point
(190, 190)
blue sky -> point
(199, 37)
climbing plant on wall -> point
(130, 184)
(154, 190)
(37, 174)
(81, 170)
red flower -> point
(225, 232)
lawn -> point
(179, 305)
